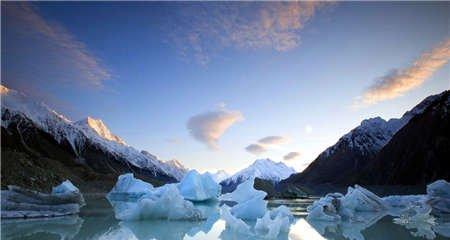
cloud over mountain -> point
(265, 143)
(399, 81)
(208, 127)
(291, 156)
(273, 140)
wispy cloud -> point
(399, 81)
(201, 30)
(210, 126)
(273, 140)
(43, 51)
(255, 149)
(265, 143)
(291, 156)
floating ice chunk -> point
(129, 187)
(438, 194)
(198, 187)
(282, 211)
(439, 188)
(233, 223)
(326, 208)
(251, 209)
(17, 202)
(361, 199)
(244, 192)
(336, 207)
(250, 202)
(65, 187)
(164, 202)
(270, 227)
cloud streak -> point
(210, 126)
(291, 156)
(46, 50)
(399, 81)
(273, 140)
(265, 143)
(255, 149)
(202, 30)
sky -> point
(218, 85)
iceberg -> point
(274, 222)
(336, 207)
(164, 202)
(199, 187)
(128, 187)
(362, 200)
(438, 194)
(236, 225)
(243, 192)
(17, 202)
(439, 188)
(250, 202)
(326, 208)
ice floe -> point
(128, 187)
(250, 202)
(359, 208)
(164, 202)
(18, 202)
(199, 187)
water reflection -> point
(97, 222)
(49, 228)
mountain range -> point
(264, 169)
(413, 149)
(41, 147)
(37, 139)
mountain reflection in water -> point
(96, 221)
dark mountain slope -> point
(32, 158)
(419, 153)
(344, 162)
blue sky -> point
(200, 82)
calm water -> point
(96, 221)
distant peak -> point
(3, 89)
(100, 128)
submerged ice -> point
(17, 202)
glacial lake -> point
(96, 221)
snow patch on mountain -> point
(264, 169)
(97, 125)
(372, 134)
(218, 176)
(77, 133)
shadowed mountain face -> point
(409, 150)
(34, 159)
(419, 153)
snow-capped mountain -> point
(354, 150)
(373, 133)
(262, 168)
(218, 176)
(419, 152)
(17, 106)
(96, 126)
